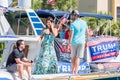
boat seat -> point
(5, 75)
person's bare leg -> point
(28, 69)
(77, 63)
(73, 65)
(20, 70)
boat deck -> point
(4, 75)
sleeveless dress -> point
(47, 60)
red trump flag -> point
(51, 2)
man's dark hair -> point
(18, 43)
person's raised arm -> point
(54, 30)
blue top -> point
(62, 35)
(79, 28)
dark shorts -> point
(12, 68)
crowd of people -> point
(74, 31)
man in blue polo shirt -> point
(78, 29)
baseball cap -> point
(75, 12)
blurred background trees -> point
(64, 5)
(68, 5)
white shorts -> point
(77, 50)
